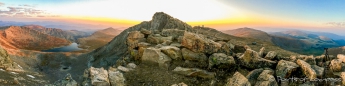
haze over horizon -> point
(266, 15)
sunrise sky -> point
(267, 15)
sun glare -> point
(142, 10)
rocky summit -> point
(168, 52)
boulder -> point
(238, 80)
(319, 60)
(175, 44)
(96, 77)
(226, 48)
(284, 68)
(319, 70)
(293, 58)
(66, 81)
(190, 55)
(251, 59)
(253, 75)
(341, 57)
(342, 76)
(134, 38)
(197, 43)
(266, 78)
(307, 70)
(175, 33)
(131, 66)
(335, 65)
(310, 59)
(271, 55)
(261, 52)
(180, 84)
(116, 78)
(144, 44)
(157, 39)
(144, 31)
(156, 56)
(123, 69)
(194, 72)
(152, 39)
(172, 52)
(221, 61)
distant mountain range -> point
(249, 33)
(89, 28)
(71, 35)
(98, 38)
(303, 42)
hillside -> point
(98, 38)
(308, 43)
(16, 37)
(249, 33)
(71, 35)
(337, 50)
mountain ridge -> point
(25, 38)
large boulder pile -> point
(181, 50)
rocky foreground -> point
(168, 52)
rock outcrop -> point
(251, 59)
(253, 75)
(270, 55)
(96, 77)
(194, 72)
(238, 80)
(198, 43)
(156, 56)
(221, 61)
(193, 56)
(307, 70)
(172, 52)
(116, 78)
(285, 69)
(67, 81)
(266, 78)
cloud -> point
(24, 11)
(336, 24)
(26, 5)
(2, 4)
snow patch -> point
(30, 76)
(2, 69)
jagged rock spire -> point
(161, 20)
